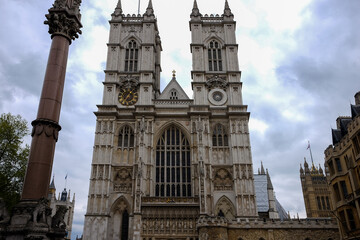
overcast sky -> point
(300, 64)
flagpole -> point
(312, 160)
(65, 180)
(139, 7)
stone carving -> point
(223, 180)
(58, 219)
(129, 81)
(64, 19)
(50, 128)
(39, 213)
(122, 180)
(225, 206)
(216, 81)
(168, 224)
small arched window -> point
(174, 94)
(125, 225)
(327, 203)
(131, 57)
(126, 138)
(318, 202)
(214, 56)
(220, 138)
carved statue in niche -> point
(226, 207)
(223, 180)
(200, 129)
(122, 180)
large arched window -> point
(214, 56)
(131, 57)
(126, 138)
(220, 138)
(173, 164)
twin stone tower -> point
(161, 160)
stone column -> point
(64, 26)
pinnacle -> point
(150, 5)
(195, 5)
(195, 11)
(269, 183)
(119, 4)
(149, 9)
(227, 10)
(227, 5)
(118, 9)
(262, 172)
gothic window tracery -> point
(214, 56)
(131, 57)
(220, 138)
(173, 164)
(126, 138)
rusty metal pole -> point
(64, 26)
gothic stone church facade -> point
(166, 166)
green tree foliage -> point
(13, 157)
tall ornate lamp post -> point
(31, 218)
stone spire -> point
(262, 171)
(227, 10)
(149, 10)
(195, 11)
(269, 183)
(321, 170)
(306, 166)
(301, 169)
(118, 10)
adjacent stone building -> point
(169, 167)
(316, 192)
(342, 159)
(63, 199)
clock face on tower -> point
(128, 96)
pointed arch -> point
(213, 37)
(220, 136)
(132, 51)
(226, 207)
(179, 125)
(119, 219)
(126, 137)
(215, 56)
(173, 163)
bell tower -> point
(132, 74)
(215, 70)
(226, 188)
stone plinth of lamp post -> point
(31, 218)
